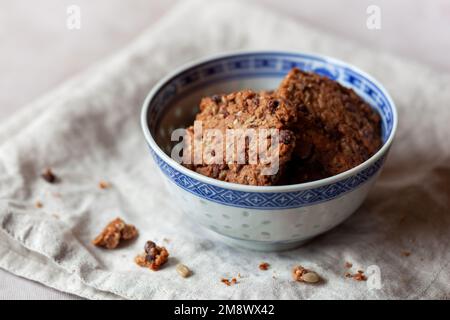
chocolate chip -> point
(273, 105)
(148, 246)
(213, 153)
(285, 136)
(216, 98)
(150, 258)
(48, 176)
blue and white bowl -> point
(255, 217)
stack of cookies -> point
(311, 127)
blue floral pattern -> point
(266, 200)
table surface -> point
(39, 52)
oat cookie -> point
(243, 110)
(336, 129)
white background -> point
(38, 52)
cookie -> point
(336, 129)
(237, 111)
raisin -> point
(150, 258)
(273, 105)
(148, 246)
(216, 98)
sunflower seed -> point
(183, 270)
(310, 277)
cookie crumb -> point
(348, 265)
(49, 176)
(104, 185)
(301, 274)
(153, 257)
(38, 204)
(359, 276)
(406, 253)
(228, 282)
(113, 233)
(264, 266)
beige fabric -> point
(88, 130)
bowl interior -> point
(175, 101)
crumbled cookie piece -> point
(348, 265)
(229, 282)
(38, 204)
(104, 185)
(153, 257)
(114, 232)
(359, 276)
(264, 266)
(49, 176)
(301, 274)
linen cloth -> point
(88, 130)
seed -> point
(310, 277)
(183, 270)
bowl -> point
(264, 218)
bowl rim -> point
(269, 189)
